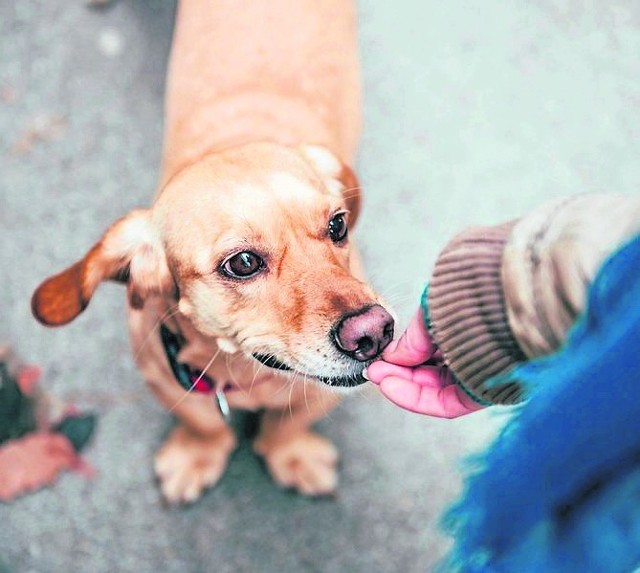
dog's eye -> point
(338, 228)
(243, 265)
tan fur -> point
(262, 116)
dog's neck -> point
(295, 82)
(248, 118)
(199, 353)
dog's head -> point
(254, 245)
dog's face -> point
(254, 244)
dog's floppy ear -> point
(338, 176)
(129, 252)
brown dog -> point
(244, 259)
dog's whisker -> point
(287, 381)
(397, 298)
(291, 394)
(167, 314)
(288, 384)
(232, 358)
(257, 371)
(363, 394)
(254, 338)
(403, 302)
(234, 381)
(227, 360)
(323, 404)
(255, 376)
(195, 382)
(351, 192)
(398, 291)
(387, 285)
(304, 391)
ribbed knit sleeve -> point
(502, 295)
(551, 259)
(468, 314)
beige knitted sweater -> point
(500, 296)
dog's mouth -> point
(271, 361)
(340, 381)
(344, 381)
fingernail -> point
(365, 375)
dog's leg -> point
(295, 456)
(189, 462)
(196, 453)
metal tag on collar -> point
(223, 405)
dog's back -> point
(277, 70)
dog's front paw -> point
(306, 463)
(188, 463)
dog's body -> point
(280, 70)
(261, 102)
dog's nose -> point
(365, 334)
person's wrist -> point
(469, 401)
(424, 305)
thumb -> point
(414, 347)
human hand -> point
(413, 375)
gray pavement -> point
(474, 112)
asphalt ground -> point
(474, 113)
